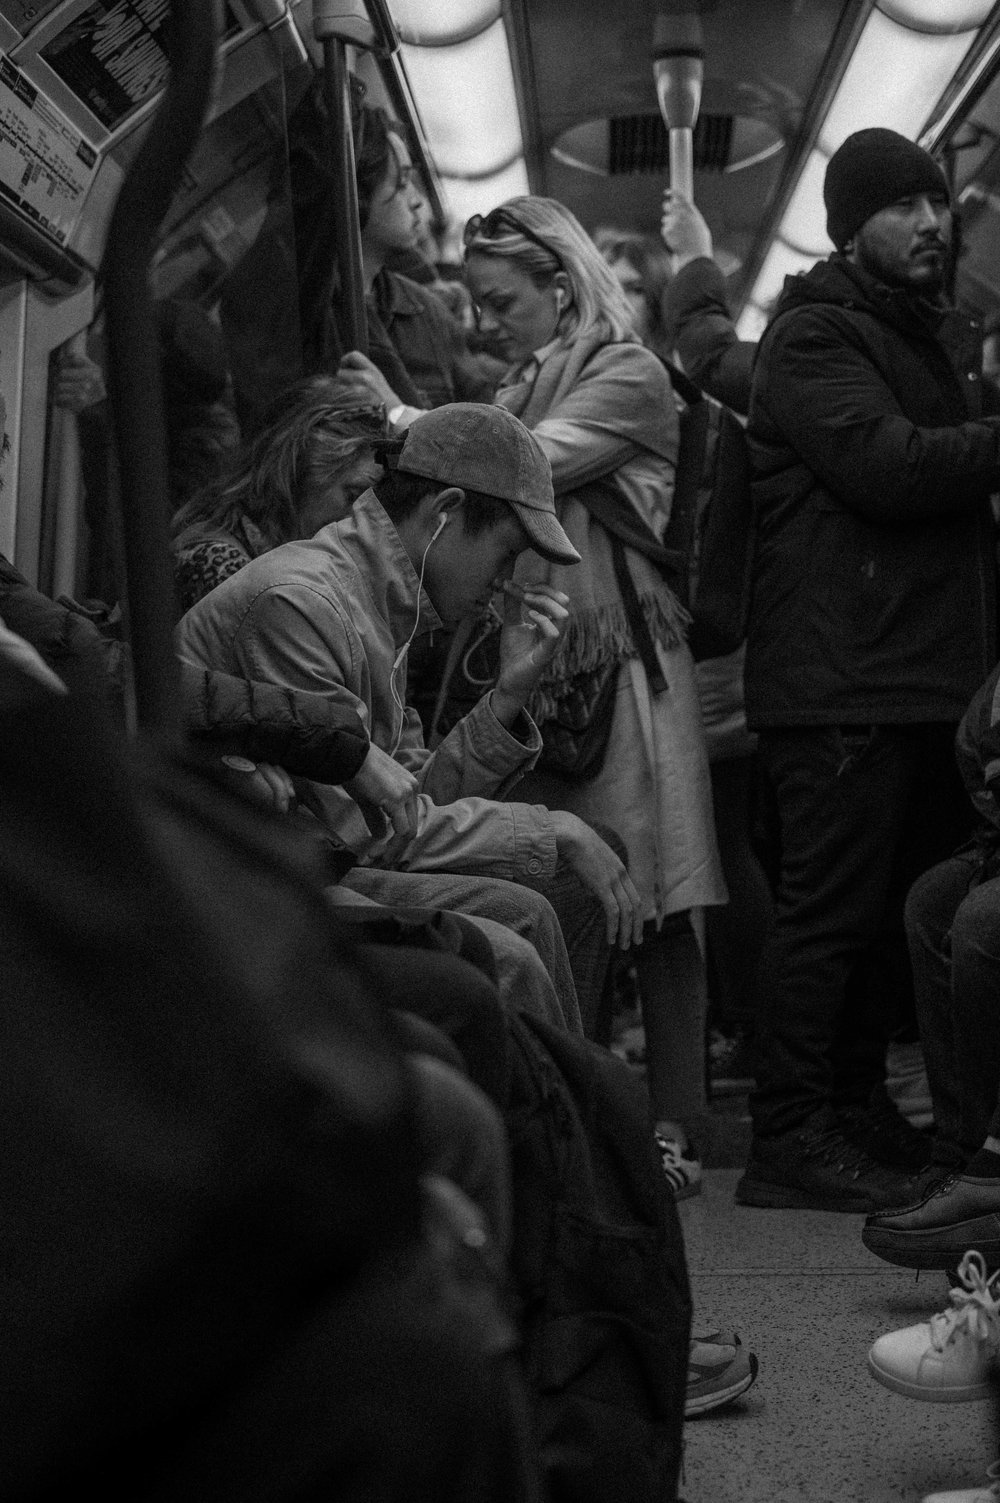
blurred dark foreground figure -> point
(225, 1280)
(218, 1281)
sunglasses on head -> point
(489, 226)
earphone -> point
(401, 655)
(560, 299)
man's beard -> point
(930, 284)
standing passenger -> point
(601, 407)
(872, 624)
(419, 354)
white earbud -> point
(560, 299)
(401, 654)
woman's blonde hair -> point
(544, 238)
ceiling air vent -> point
(640, 143)
(625, 145)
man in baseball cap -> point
(488, 451)
(434, 542)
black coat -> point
(409, 326)
(308, 734)
(874, 590)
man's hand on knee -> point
(597, 866)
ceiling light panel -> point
(468, 107)
(937, 15)
(437, 23)
(895, 78)
(804, 224)
(465, 197)
(780, 262)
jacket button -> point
(534, 866)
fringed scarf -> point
(622, 388)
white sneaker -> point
(950, 1359)
(971, 1494)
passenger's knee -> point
(976, 924)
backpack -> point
(711, 521)
(598, 1264)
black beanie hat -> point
(871, 170)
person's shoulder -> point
(405, 296)
(625, 355)
(628, 360)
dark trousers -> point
(953, 930)
(736, 930)
(862, 811)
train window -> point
(973, 152)
(225, 283)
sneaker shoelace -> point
(831, 1147)
(974, 1309)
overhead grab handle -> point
(678, 68)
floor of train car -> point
(809, 1299)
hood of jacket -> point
(838, 282)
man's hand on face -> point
(535, 621)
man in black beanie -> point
(872, 625)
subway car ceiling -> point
(502, 96)
(506, 96)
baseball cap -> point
(487, 449)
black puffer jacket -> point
(308, 734)
(874, 588)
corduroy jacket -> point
(331, 615)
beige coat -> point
(601, 410)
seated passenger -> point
(303, 469)
(953, 932)
(213, 1144)
(469, 493)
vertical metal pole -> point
(135, 382)
(337, 94)
(682, 160)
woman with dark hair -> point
(304, 469)
(418, 353)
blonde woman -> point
(602, 407)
